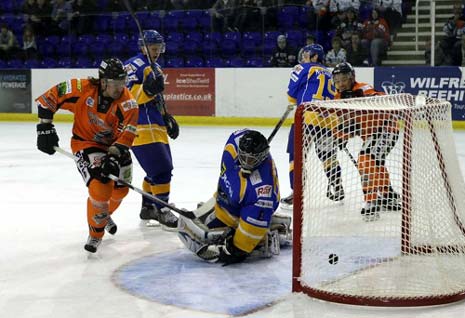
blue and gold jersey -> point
(310, 81)
(246, 201)
(150, 126)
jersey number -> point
(319, 94)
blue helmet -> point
(313, 49)
(151, 37)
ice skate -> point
(111, 226)
(167, 218)
(370, 212)
(335, 191)
(148, 212)
(92, 244)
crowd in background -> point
(357, 31)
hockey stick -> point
(141, 35)
(280, 122)
(187, 214)
(350, 156)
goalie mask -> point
(253, 150)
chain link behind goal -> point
(397, 236)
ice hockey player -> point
(151, 146)
(311, 81)
(379, 132)
(238, 220)
(105, 118)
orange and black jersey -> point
(373, 122)
(98, 121)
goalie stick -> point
(187, 214)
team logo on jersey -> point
(129, 104)
(255, 177)
(264, 204)
(64, 88)
(264, 191)
(298, 68)
(90, 101)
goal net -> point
(379, 202)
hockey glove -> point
(230, 254)
(154, 84)
(352, 94)
(172, 126)
(47, 138)
(110, 165)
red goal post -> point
(413, 256)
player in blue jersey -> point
(151, 146)
(239, 220)
(312, 81)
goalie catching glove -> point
(47, 138)
(172, 126)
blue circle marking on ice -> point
(181, 279)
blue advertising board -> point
(446, 83)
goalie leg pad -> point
(199, 239)
(269, 247)
(282, 223)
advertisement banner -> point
(445, 82)
(15, 91)
(190, 91)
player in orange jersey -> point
(105, 119)
(379, 133)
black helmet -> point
(111, 68)
(344, 68)
(253, 150)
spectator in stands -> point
(284, 55)
(82, 21)
(450, 47)
(309, 40)
(62, 14)
(8, 43)
(28, 9)
(376, 37)
(348, 27)
(29, 48)
(247, 16)
(319, 17)
(343, 5)
(223, 12)
(357, 55)
(38, 15)
(337, 54)
(391, 10)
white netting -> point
(396, 236)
